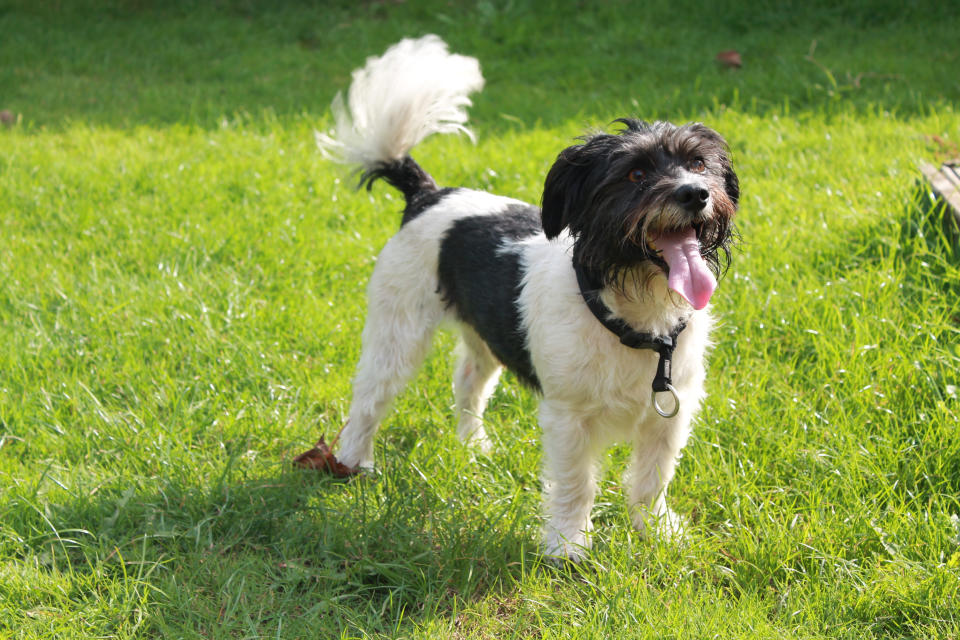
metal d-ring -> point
(676, 402)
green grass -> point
(182, 294)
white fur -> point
(596, 391)
(415, 89)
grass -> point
(183, 292)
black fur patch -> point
(420, 202)
(480, 277)
(417, 186)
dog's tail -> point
(415, 89)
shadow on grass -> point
(932, 230)
(131, 62)
(295, 549)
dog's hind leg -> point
(401, 320)
(475, 379)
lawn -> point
(182, 284)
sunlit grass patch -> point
(182, 282)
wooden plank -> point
(946, 184)
(953, 175)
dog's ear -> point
(731, 182)
(563, 191)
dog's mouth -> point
(678, 253)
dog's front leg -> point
(569, 481)
(654, 460)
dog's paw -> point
(356, 450)
(559, 549)
(470, 431)
(481, 443)
(563, 554)
(357, 460)
(668, 525)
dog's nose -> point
(691, 197)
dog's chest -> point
(581, 363)
(603, 375)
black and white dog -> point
(597, 301)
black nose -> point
(691, 197)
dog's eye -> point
(637, 175)
(697, 166)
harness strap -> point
(664, 345)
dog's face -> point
(616, 193)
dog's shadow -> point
(382, 546)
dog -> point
(598, 300)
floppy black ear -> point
(563, 191)
(731, 183)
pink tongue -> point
(689, 275)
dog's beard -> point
(625, 255)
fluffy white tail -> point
(415, 89)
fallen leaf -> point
(320, 458)
(730, 58)
(947, 151)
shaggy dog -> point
(597, 301)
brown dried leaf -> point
(730, 58)
(320, 458)
(947, 151)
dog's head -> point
(620, 195)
